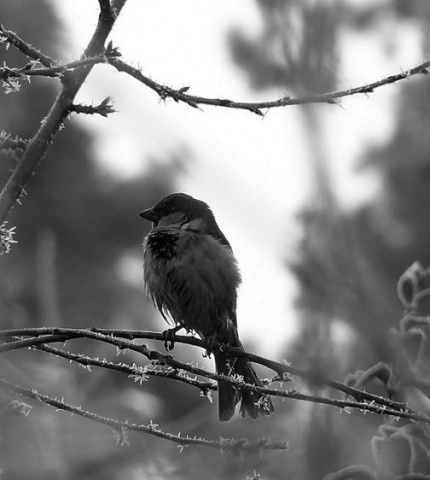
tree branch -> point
(364, 400)
(136, 372)
(104, 109)
(73, 79)
(53, 71)
(105, 8)
(181, 95)
(63, 334)
(24, 47)
(50, 126)
(232, 445)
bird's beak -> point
(149, 214)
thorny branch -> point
(122, 428)
(27, 49)
(72, 76)
(363, 400)
(42, 335)
(53, 71)
(104, 109)
(51, 125)
(137, 373)
(182, 95)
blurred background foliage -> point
(78, 233)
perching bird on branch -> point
(192, 276)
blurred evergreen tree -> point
(297, 51)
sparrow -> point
(192, 276)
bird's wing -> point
(215, 232)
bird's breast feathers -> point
(190, 274)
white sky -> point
(252, 171)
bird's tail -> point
(228, 396)
(253, 403)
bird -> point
(192, 276)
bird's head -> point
(179, 208)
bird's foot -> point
(168, 337)
(209, 344)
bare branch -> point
(181, 95)
(25, 47)
(50, 126)
(232, 445)
(105, 8)
(53, 71)
(104, 109)
(136, 372)
(32, 342)
(63, 334)
(364, 400)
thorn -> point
(257, 111)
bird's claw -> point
(209, 344)
(168, 337)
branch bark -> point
(24, 47)
(73, 80)
(182, 95)
(50, 126)
(122, 428)
(122, 340)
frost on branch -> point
(6, 238)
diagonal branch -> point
(138, 373)
(233, 445)
(379, 406)
(51, 125)
(24, 47)
(112, 337)
(53, 71)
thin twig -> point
(61, 335)
(233, 445)
(134, 371)
(32, 342)
(181, 95)
(104, 109)
(24, 47)
(137, 373)
(51, 125)
(364, 400)
(53, 71)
